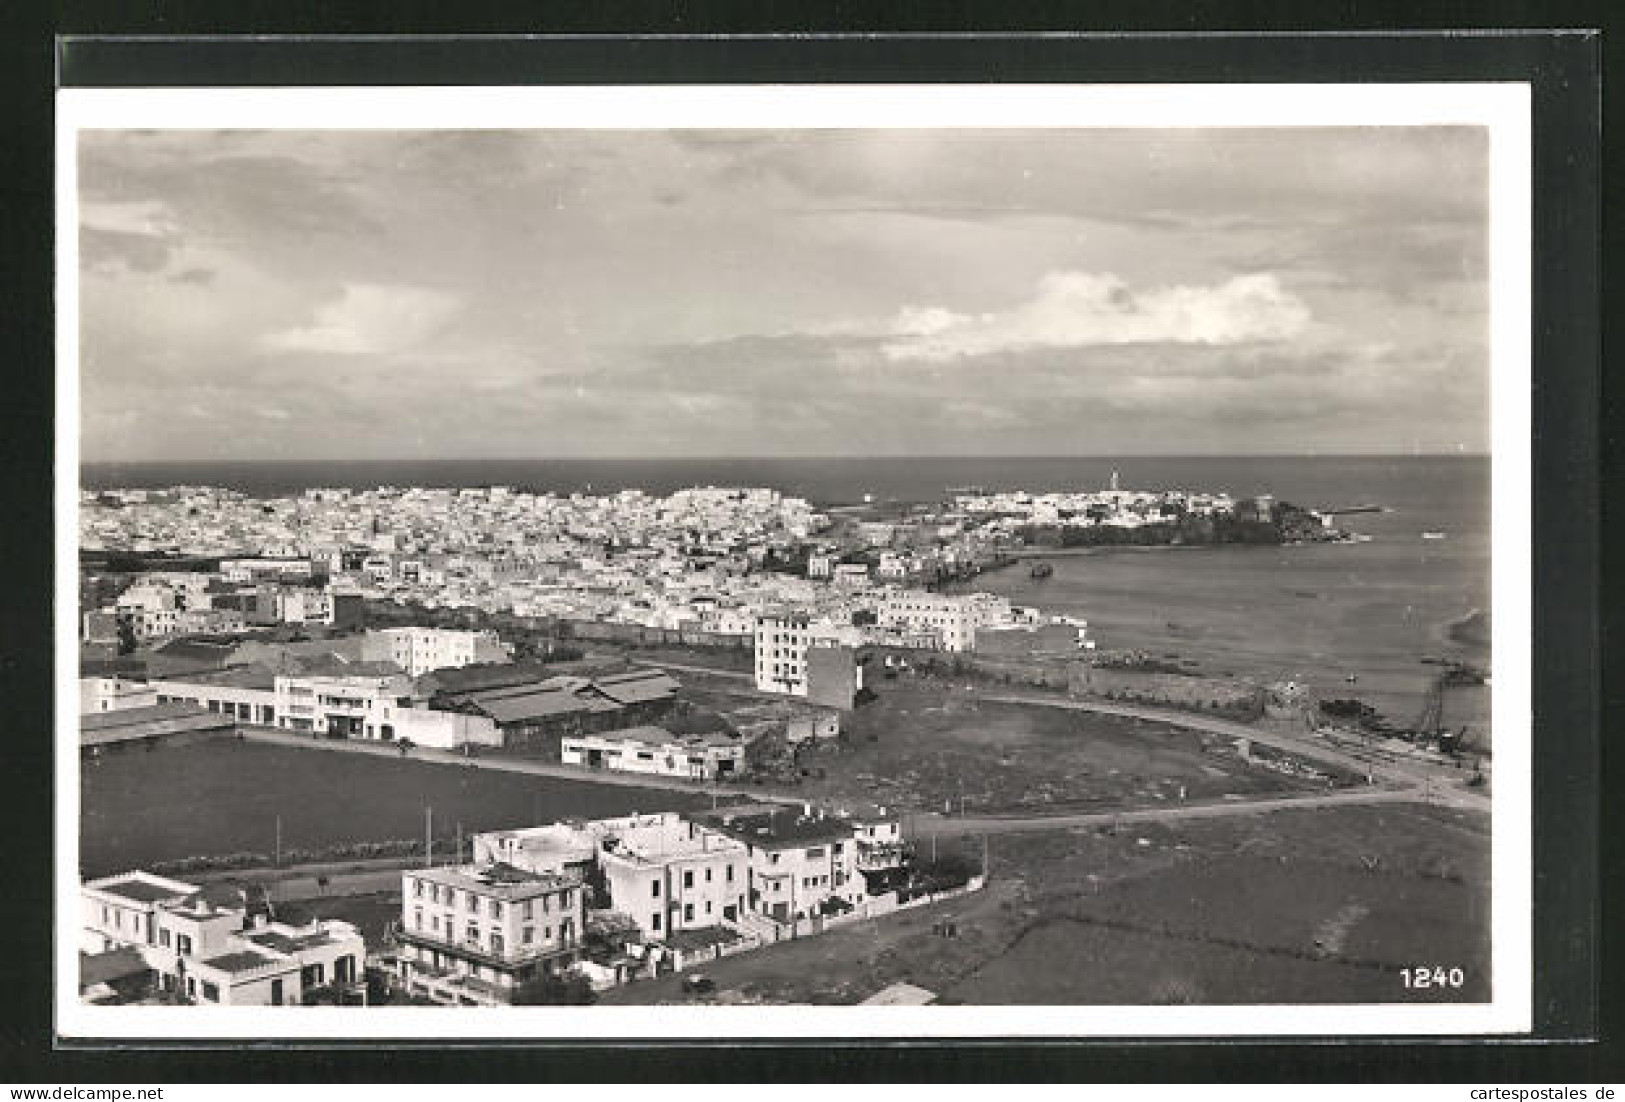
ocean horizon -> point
(1308, 479)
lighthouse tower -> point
(1114, 482)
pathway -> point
(1422, 778)
(501, 764)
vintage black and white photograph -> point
(907, 561)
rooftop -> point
(288, 943)
(98, 728)
(253, 676)
(113, 965)
(497, 880)
(769, 828)
(659, 738)
(142, 888)
(243, 960)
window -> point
(688, 912)
(473, 903)
(730, 874)
(183, 945)
(417, 888)
(815, 853)
(526, 910)
(688, 878)
(211, 992)
(473, 933)
(527, 935)
(774, 858)
(564, 898)
(496, 909)
(547, 933)
(707, 906)
(163, 937)
(654, 921)
(708, 874)
(417, 918)
(496, 943)
(654, 889)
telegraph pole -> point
(428, 837)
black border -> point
(1564, 71)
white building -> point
(266, 569)
(660, 870)
(299, 605)
(472, 934)
(800, 860)
(110, 694)
(375, 706)
(205, 953)
(656, 750)
(782, 640)
(417, 650)
(951, 621)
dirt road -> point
(1423, 781)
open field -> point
(1336, 903)
(225, 795)
(924, 746)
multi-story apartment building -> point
(949, 621)
(799, 860)
(417, 650)
(472, 934)
(670, 875)
(782, 644)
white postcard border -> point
(1504, 108)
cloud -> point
(370, 318)
(1080, 309)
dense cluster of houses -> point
(661, 891)
(608, 900)
(708, 561)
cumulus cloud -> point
(370, 318)
(1082, 309)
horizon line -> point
(799, 458)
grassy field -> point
(924, 746)
(224, 796)
(1298, 907)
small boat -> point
(1352, 678)
(1041, 570)
(1433, 535)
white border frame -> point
(1504, 108)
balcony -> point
(514, 957)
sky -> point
(515, 294)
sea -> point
(1364, 620)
